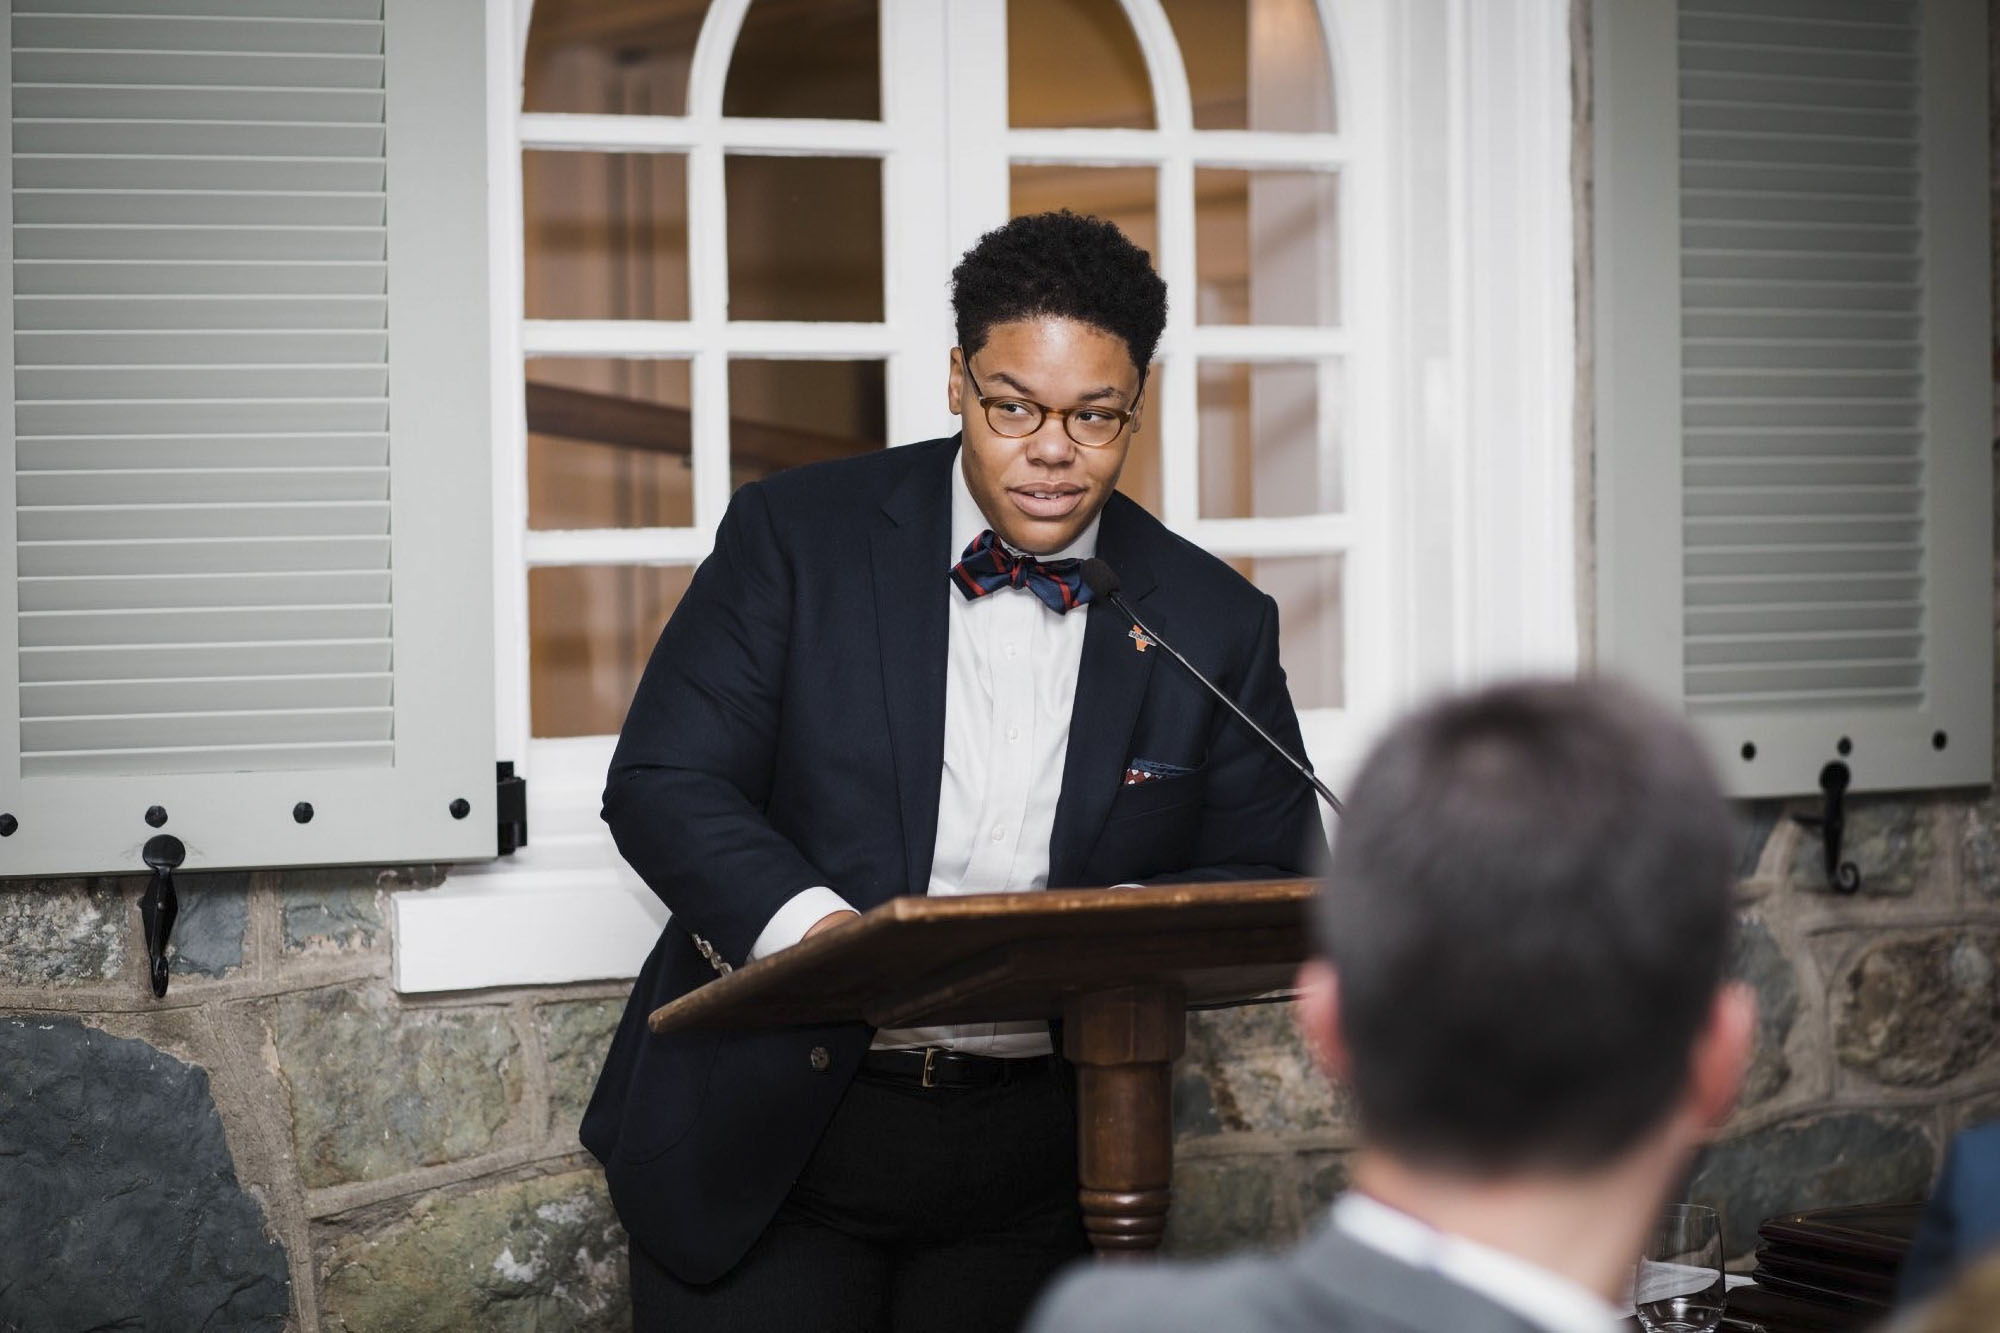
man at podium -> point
(890, 678)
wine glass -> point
(1678, 1285)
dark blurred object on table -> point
(1961, 1223)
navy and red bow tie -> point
(988, 566)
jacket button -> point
(820, 1060)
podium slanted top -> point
(995, 957)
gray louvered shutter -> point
(1794, 405)
(250, 363)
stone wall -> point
(284, 1142)
(1878, 1037)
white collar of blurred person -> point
(1545, 1299)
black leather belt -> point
(941, 1067)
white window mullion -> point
(618, 133)
(1268, 342)
(708, 262)
(1209, 148)
(917, 327)
(777, 339)
(977, 186)
(618, 546)
(1371, 256)
(1178, 410)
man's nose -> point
(1051, 443)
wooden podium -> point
(1119, 967)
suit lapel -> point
(911, 556)
(1110, 686)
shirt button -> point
(1013, 733)
(1011, 650)
(820, 1060)
(999, 833)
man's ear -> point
(1316, 1008)
(954, 385)
(1721, 1056)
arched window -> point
(738, 222)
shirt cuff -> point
(789, 924)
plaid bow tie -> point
(988, 565)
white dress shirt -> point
(1009, 689)
(1546, 1300)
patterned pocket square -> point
(1148, 770)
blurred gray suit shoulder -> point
(1330, 1283)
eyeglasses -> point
(1091, 426)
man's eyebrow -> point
(1092, 396)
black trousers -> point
(923, 1210)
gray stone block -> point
(1914, 1012)
(575, 1036)
(377, 1089)
(1759, 961)
(339, 908)
(1194, 1104)
(1231, 1203)
(214, 917)
(1978, 828)
(1891, 842)
(1322, 1179)
(122, 1208)
(1259, 1075)
(62, 932)
(537, 1256)
(1842, 1158)
(1755, 822)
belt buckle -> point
(929, 1079)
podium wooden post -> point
(1119, 967)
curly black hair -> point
(1061, 264)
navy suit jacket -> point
(1961, 1223)
(789, 731)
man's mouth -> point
(1047, 501)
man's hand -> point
(829, 922)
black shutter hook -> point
(163, 854)
(1841, 876)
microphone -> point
(1102, 580)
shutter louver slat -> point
(57, 629)
(70, 240)
(174, 661)
(198, 485)
(231, 693)
(36, 454)
(57, 347)
(169, 208)
(333, 175)
(207, 759)
(263, 9)
(180, 69)
(202, 555)
(194, 730)
(74, 101)
(199, 138)
(160, 591)
(150, 33)
(123, 314)
(1752, 141)
(201, 372)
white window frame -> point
(1470, 519)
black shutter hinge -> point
(511, 802)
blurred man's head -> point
(1527, 923)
